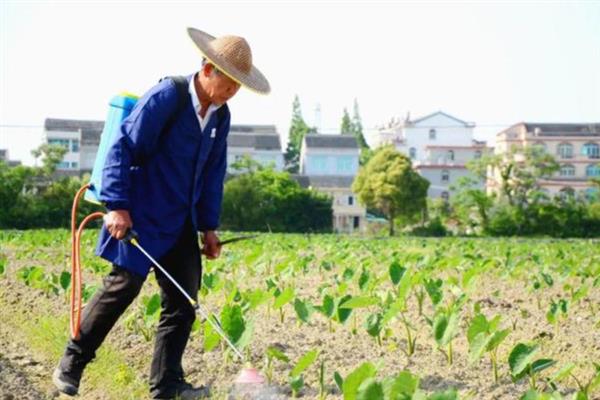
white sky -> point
(494, 64)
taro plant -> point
(556, 313)
(281, 298)
(585, 389)
(445, 326)
(522, 364)
(143, 319)
(484, 337)
(272, 354)
(361, 384)
(296, 378)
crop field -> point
(326, 316)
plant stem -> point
(281, 314)
(450, 353)
(494, 365)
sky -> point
(491, 63)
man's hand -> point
(118, 222)
(212, 248)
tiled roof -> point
(255, 141)
(331, 141)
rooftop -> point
(331, 141)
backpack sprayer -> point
(120, 107)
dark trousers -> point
(120, 288)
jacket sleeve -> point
(209, 205)
(136, 140)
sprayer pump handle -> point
(130, 235)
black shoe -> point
(65, 383)
(67, 375)
(185, 391)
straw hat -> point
(232, 56)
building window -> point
(62, 165)
(60, 142)
(445, 175)
(356, 223)
(592, 170)
(566, 192)
(451, 155)
(412, 153)
(592, 150)
(350, 200)
(75, 145)
(445, 195)
(432, 134)
(319, 164)
(565, 150)
(477, 154)
(344, 164)
(74, 165)
(567, 170)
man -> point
(163, 176)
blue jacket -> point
(164, 169)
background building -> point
(329, 163)
(576, 147)
(259, 142)
(81, 138)
(439, 146)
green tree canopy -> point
(262, 199)
(298, 129)
(388, 182)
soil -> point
(24, 375)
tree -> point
(298, 129)
(389, 184)
(471, 204)
(346, 127)
(357, 128)
(518, 173)
(261, 199)
(51, 155)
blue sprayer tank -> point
(120, 107)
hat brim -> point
(253, 80)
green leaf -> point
(542, 364)
(563, 373)
(274, 352)
(479, 324)
(232, 321)
(521, 357)
(449, 394)
(328, 306)
(433, 288)
(396, 272)
(65, 280)
(302, 310)
(297, 383)
(339, 381)
(211, 337)
(284, 297)
(403, 386)
(359, 302)
(373, 324)
(445, 328)
(152, 305)
(363, 279)
(343, 313)
(497, 338)
(2, 265)
(370, 389)
(477, 346)
(356, 378)
(304, 362)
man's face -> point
(218, 86)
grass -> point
(109, 375)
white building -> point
(81, 139)
(259, 142)
(439, 146)
(329, 163)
